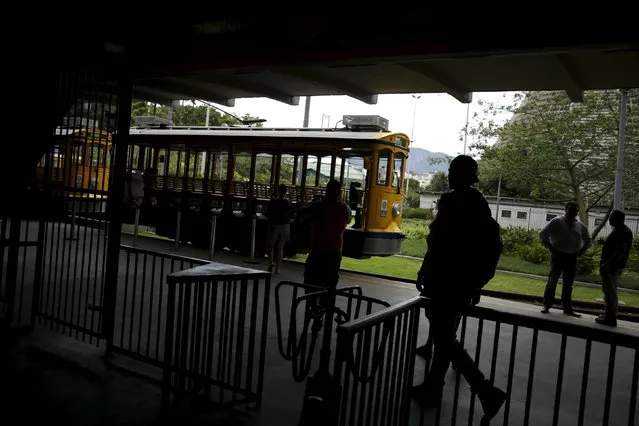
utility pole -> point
(466, 127)
(412, 132)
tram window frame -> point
(383, 154)
(396, 181)
(95, 151)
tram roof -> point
(261, 132)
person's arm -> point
(349, 214)
(585, 236)
(544, 235)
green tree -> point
(412, 193)
(554, 148)
(439, 183)
(187, 115)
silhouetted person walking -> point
(464, 246)
(566, 238)
(278, 213)
(614, 257)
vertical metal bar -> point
(142, 304)
(262, 359)
(136, 227)
(584, 383)
(213, 230)
(531, 376)
(39, 265)
(134, 300)
(471, 410)
(168, 348)
(151, 303)
(159, 318)
(609, 381)
(176, 244)
(457, 379)
(511, 372)
(633, 390)
(560, 378)
(493, 363)
(115, 200)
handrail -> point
(615, 336)
(379, 316)
(132, 249)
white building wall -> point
(535, 217)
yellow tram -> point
(77, 167)
(192, 173)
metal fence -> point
(215, 339)
(579, 384)
(141, 303)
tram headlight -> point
(397, 210)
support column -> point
(620, 150)
(115, 201)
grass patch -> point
(397, 267)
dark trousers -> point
(444, 322)
(565, 264)
(322, 270)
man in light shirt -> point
(566, 238)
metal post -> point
(620, 150)
(529, 215)
(466, 127)
(177, 226)
(498, 198)
(136, 228)
(115, 201)
(213, 227)
(412, 132)
(307, 111)
(72, 235)
(208, 114)
(251, 258)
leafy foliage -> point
(554, 149)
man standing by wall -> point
(566, 238)
(614, 256)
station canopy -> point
(220, 60)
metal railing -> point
(141, 302)
(215, 338)
(576, 384)
(374, 365)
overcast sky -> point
(439, 118)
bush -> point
(417, 213)
(587, 262)
(415, 230)
(534, 253)
(514, 237)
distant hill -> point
(419, 161)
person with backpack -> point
(464, 246)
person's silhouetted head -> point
(333, 190)
(572, 210)
(462, 172)
(281, 190)
(617, 218)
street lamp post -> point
(466, 127)
(412, 132)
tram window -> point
(78, 154)
(96, 156)
(382, 167)
(398, 164)
(286, 168)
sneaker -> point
(545, 310)
(572, 313)
(491, 398)
(424, 351)
(426, 395)
(603, 320)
